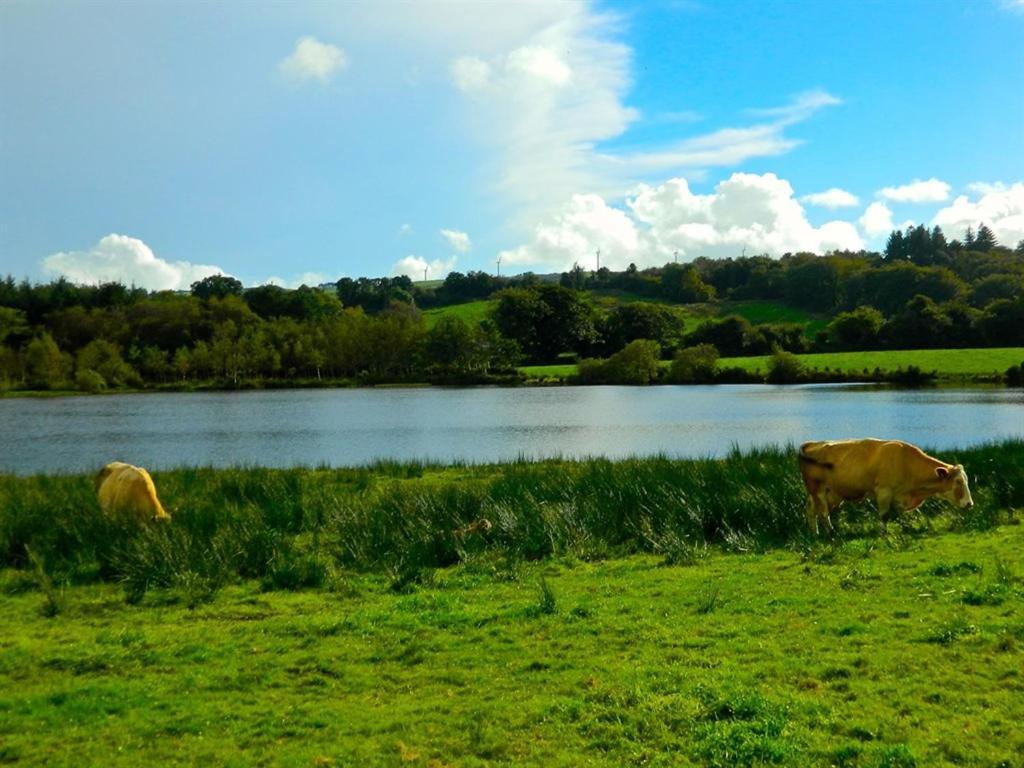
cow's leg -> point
(812, 515)
(883, 498)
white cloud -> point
(984, 187)
(832, 198)
(313, 60)
(405, 230)
(876, 220)
(540, 62)
(756, 213)
(546, 104)
(311, 279)
(119, 258)
(1001, 209)
(458, 240)
(470, 73)
(917, 191)
(413, 267)
(573, 235)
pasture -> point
(947, 362)
(958, 364)
(640, 612)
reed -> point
(300, 528)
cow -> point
(897, 475)
(125, 490)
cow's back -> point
(126, 489)
(853, 465)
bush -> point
(784, 368)
(694, 365)
(89, 380)
(636, 363)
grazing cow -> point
(898, 475)
(127, 490)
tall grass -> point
(297, 528)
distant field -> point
(773, 312)
(950, 362)
(472, 312)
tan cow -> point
(126, 490)
(896, 474)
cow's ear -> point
(942, 472)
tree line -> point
(923, 291)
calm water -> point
(355, 426)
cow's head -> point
(954, 485)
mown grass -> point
(860, 653)
(946, 362)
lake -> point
(341, 427)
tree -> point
(921, 325)
(731, 336)
(683, 283)
(546, 320)
(216, 286)
(641, 320)
(856, 330)
(985, 240)
(45, 366)
(105, 359)
(894, 247)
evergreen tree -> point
(894, 246)
(985, 240)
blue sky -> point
(158, 142)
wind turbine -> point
(499, 265)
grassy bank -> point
(642, 612)
(301, 527)
(894, 652)
(981, 364)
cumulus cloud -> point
(931, 191)
(414, 266)
(313, 60)
(1001, 208)
(756, 213)
(832, 198)
(547, 104)
(311, 279)
(876, 220)
(458, 240)
(128, 260)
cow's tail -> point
(805, 458)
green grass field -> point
(472, 312)
(635, 612)
(948, 362)
(774, 312)
(905, 651)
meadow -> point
(947, 362)
(951, 364)
(638, 612)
